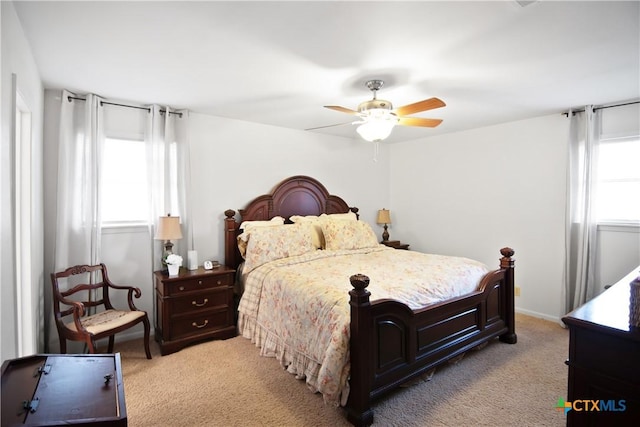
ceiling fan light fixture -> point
(376, 129)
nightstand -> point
(395, 244)
(193, 306)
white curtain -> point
(581, 227)
(78, 233)
(168, 166)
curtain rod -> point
(69, 98)
(566, 114)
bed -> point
(390, 340)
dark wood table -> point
(604, 360)
(63, 390)
(194, 306)
(397, 244)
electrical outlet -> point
(517, 291)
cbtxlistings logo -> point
(591, 405)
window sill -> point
(125, 227)
(623, 227)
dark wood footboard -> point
(391, 344)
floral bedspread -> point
(297, 309)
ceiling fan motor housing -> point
(374, 104)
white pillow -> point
(248, 225)
(349, 216)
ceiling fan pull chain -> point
(376, 150)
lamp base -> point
(168, 250)
(385, 234)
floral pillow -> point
(316, 229)
(247, 226)
(272, 243)
(316, 221)
(348, 235)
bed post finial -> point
(506, 261)
(231, 253)
(359, 411)
(359, 281)
(507, 264)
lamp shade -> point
(169, 228)
(384, 216)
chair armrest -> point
(126, 288)
(78, 312)
(133, 291)
(78, 307)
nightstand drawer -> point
(200, 284)
(199, 324)
(200, 301)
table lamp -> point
(168, 229)
(384, 217)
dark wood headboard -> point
(297, 195)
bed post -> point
(507, 264)
(230, 245)
(359, 410)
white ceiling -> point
(278, 63)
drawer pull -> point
(200, 305)
(200, 326)
(181, 288)
(199, 282)
(219, 282)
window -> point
(619, 181)
(124, 182)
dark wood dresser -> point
(63, 390)
(604, 360)
(193, 306)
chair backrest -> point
(88, 284)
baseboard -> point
(539, 315)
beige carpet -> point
(227, 383)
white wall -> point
(473, 192)
(17, 59)
(618, 252)
(481, 190)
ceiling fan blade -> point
(419, 121)
(341, 109)
(329, 126)
(427, 104)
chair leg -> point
(146, 337)
(111, 340)
(91, 344)
(63, 345)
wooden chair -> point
(74, 321)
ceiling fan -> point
(378, 117)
